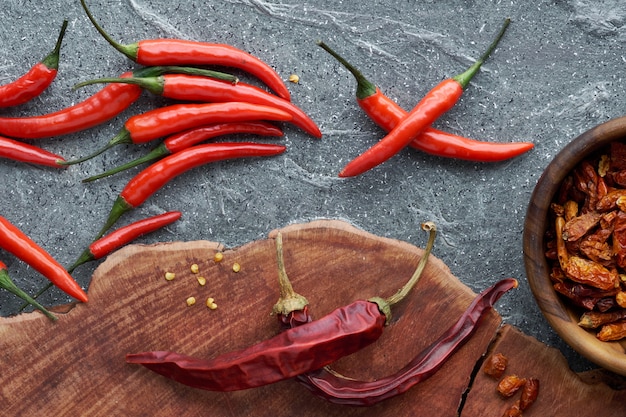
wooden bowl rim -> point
(609, 355)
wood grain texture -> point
(76, 366)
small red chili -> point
(36, 80)
(7, 283)
(155, 176)
(13, 240)
(202, 89)
(179, 141)
(23, 152)
(435, 103)
(292, 352)
(175, 118)
(183, 52)
(386, 113)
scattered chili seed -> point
(509, 385)
(496, 365)
(169, 276)
(195, 268)
(219, 257)
(236, 267)
(191, 301)
(210, 303)
(294, 78)
(202, 281)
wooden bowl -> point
(563, 318)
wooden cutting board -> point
(76, 366)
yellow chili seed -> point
(236, 267)
(219, 256)
(294, 78)
(210, 303)
(195, 268)
(170, 276)
(191, 301)
(202, 281)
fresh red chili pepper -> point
(292, 352)
(13, 240)
(155, 176)
(175, 118)
(339, 389)
(386, 113)
(188, 138)
(36, 80)
(184, 52)
(202, 89)
(23, 152)
(7, 283)
(435, 103)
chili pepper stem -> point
(155, 153)
(9, 285)
(130, 50)
(364, 87)
(52, 60)
(150, 84)
(123, 136)
(289, 300)
(465, 77)
(120, 206)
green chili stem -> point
(130, 51)
(155, 153)
(9, 285)
(52, 60)
(364, 87)
(122, 137)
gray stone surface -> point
(557, 73)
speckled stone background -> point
(558, 72)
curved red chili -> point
(36, 80)
(183, 52)
(7, 283)
(175, 118)
(435, 103)
(155, 176)
(386, 113)
(188, 138)
(339, 389)
(197, 88)
(13, 240)
(23, 152)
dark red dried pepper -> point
(292, 352)
(7, 283)
(175, 118)
(154, 52)
(23, 152)
(188, 138)
(13, 240)
(202, 89)
(36, 80)
(435, 103)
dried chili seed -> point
(219, 257)
(294, 78)
(529, 393)
(510, 384)
(201, 281)
(236, 267)
(169, 276)
(195, 268)
(495, 365)
(190, 301)
(210, 303)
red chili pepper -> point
(434, 104)
(188, 138)
(339, 389)
(36, 80)
(197, 88)
(386, 113)
(7, 283)
(175, 118)
(183, 52)
(13, 240)
(23, 152)
(151, 179)
(293, 352)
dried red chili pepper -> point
(495, 365)
(13, 240)
(530, 392)
(202, 89)
(510, 384)
(23, 152)
(36, 80)
(7, 283)
(188, 138)
(386, 113)
(175, 118)
(152, 52)
(155, 176)
(292, 352)
(435, 103)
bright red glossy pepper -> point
(202, 89)
(175, 118)
(13, 240)
(24, 152)
(179, 141)
(36, 80)
(435, 103)
(184, 52)
(386, 113)
(7, 283)
(151, 179)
